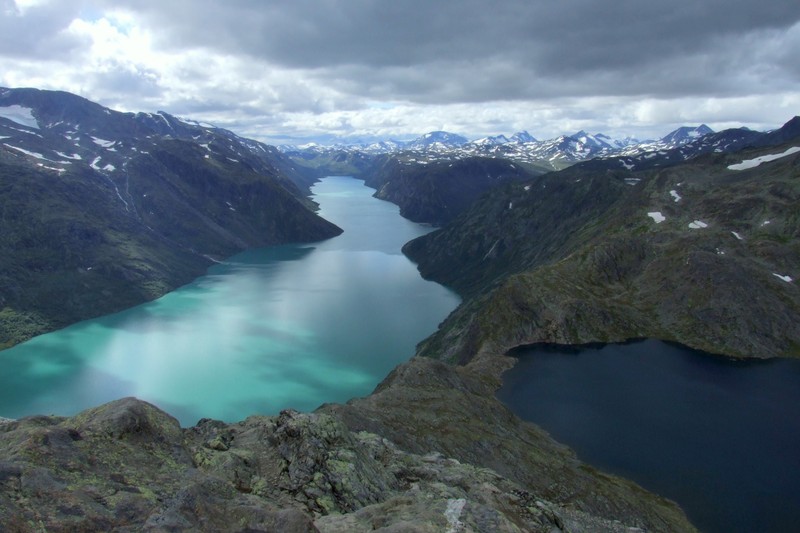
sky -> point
(323, 70)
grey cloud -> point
(39, 32)
(287, 64)
(116, 85)
(573, 34)
(474, 50)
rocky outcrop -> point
(127, 466)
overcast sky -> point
(292, 71)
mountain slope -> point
(104, 210)
(695, 253)
(435, 193)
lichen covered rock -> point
(128, 466)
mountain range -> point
(521, 147)
(698, 245)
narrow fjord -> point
(270, 328)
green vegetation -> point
(79, 244)
(578, 260)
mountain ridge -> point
(521, 147)
(602, 253)
(103, 210)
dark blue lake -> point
(719, 436)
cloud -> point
(37, 31)
(361, 67)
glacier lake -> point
(720, 436)
(290, 326)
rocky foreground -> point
(429, 450)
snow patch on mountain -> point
(752, 163)
(21, 115)
(56, 169)
(191, 122)
(76, 157)
(26, 152)
(103, 142)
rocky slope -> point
(430, 450)
(103, 210)
(697, 253)
(435, 193)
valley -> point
(693, 242)
(270, 328)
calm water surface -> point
(287, 326)
(719, 436)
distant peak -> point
(438, 137)
(687, 133)
(522, 137)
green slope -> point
(573, 257)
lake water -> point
(286, 326)
(719, 436)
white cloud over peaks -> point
(358, 67)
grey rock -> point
(127, 466)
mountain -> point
(436, 192)
(521, 148)
(103, 210)
(522, 137)
(491, 140)
(685, 134)
(436, 183)
(594, 142)
(436, 140)
(606, 251)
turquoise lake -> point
(273, 328)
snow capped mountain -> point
(382, 147)
(437, 140)
(686, 134)
(627, 141)
(556, 153)
(492, 140)
(593, 142)
(522, 137)
(61, 132)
